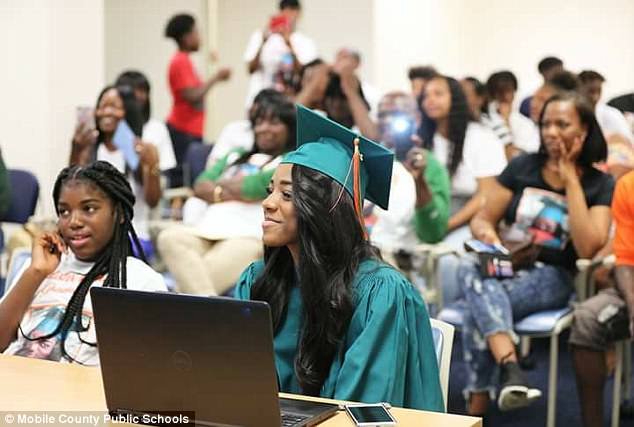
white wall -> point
(134, 40)
(52, 59)
(59, 54)
(478, 37)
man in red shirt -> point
(186, 119)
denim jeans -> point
(493, 305)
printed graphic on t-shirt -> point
(46, 321)
(544, 215)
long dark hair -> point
(111, 262)
(595, 148)
(269, 106)
(331, 248)
(459, 117)
(137, 80)
(133, 114)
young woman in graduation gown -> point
(347, 326)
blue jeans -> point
(493, 305)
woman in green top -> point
(347, 325)
(222, 233)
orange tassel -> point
(356, 186)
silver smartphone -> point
(374, 415)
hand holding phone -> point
(371, 415)
(278, 24)
(85, 131)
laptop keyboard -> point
(290, 420)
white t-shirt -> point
(154, 132)
(482, 156)
(271, 57)
(49, 303)
(394, 229)
(236, 134)
(612, 122)
(525, 133)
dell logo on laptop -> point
(181, 361)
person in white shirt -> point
(611, 120)
(478, 101)
(155, 152)
(501, 87)
(275, 55)
(472, 153)
(47, 313)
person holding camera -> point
(275, 55)
(607, 317)
(558, 203)
(420, 190)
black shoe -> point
(514, 390)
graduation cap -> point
(362, 167)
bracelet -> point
(217, 194)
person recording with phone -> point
(275, 55)
(420, 191)
(115, 134)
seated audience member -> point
(561, 81)
(559, 203)
(472, 153)
(501, 87)
(5, 190)
(222, 233)
(420, 191)
(610, 119)
(338, 93)
(547, 67)
(187, 116)
(239, 133)
(477, 99)
(418, 78)
(46, 313)
(608, 316)
(351, 58)
(116, 104)
(347, 325)
(275, 55)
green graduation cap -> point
(353, 161)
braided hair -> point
(111, 262)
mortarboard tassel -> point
(357, 157)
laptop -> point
(211, 357)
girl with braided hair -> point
(92, 247)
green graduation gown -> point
(387, 354)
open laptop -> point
(212, 357)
